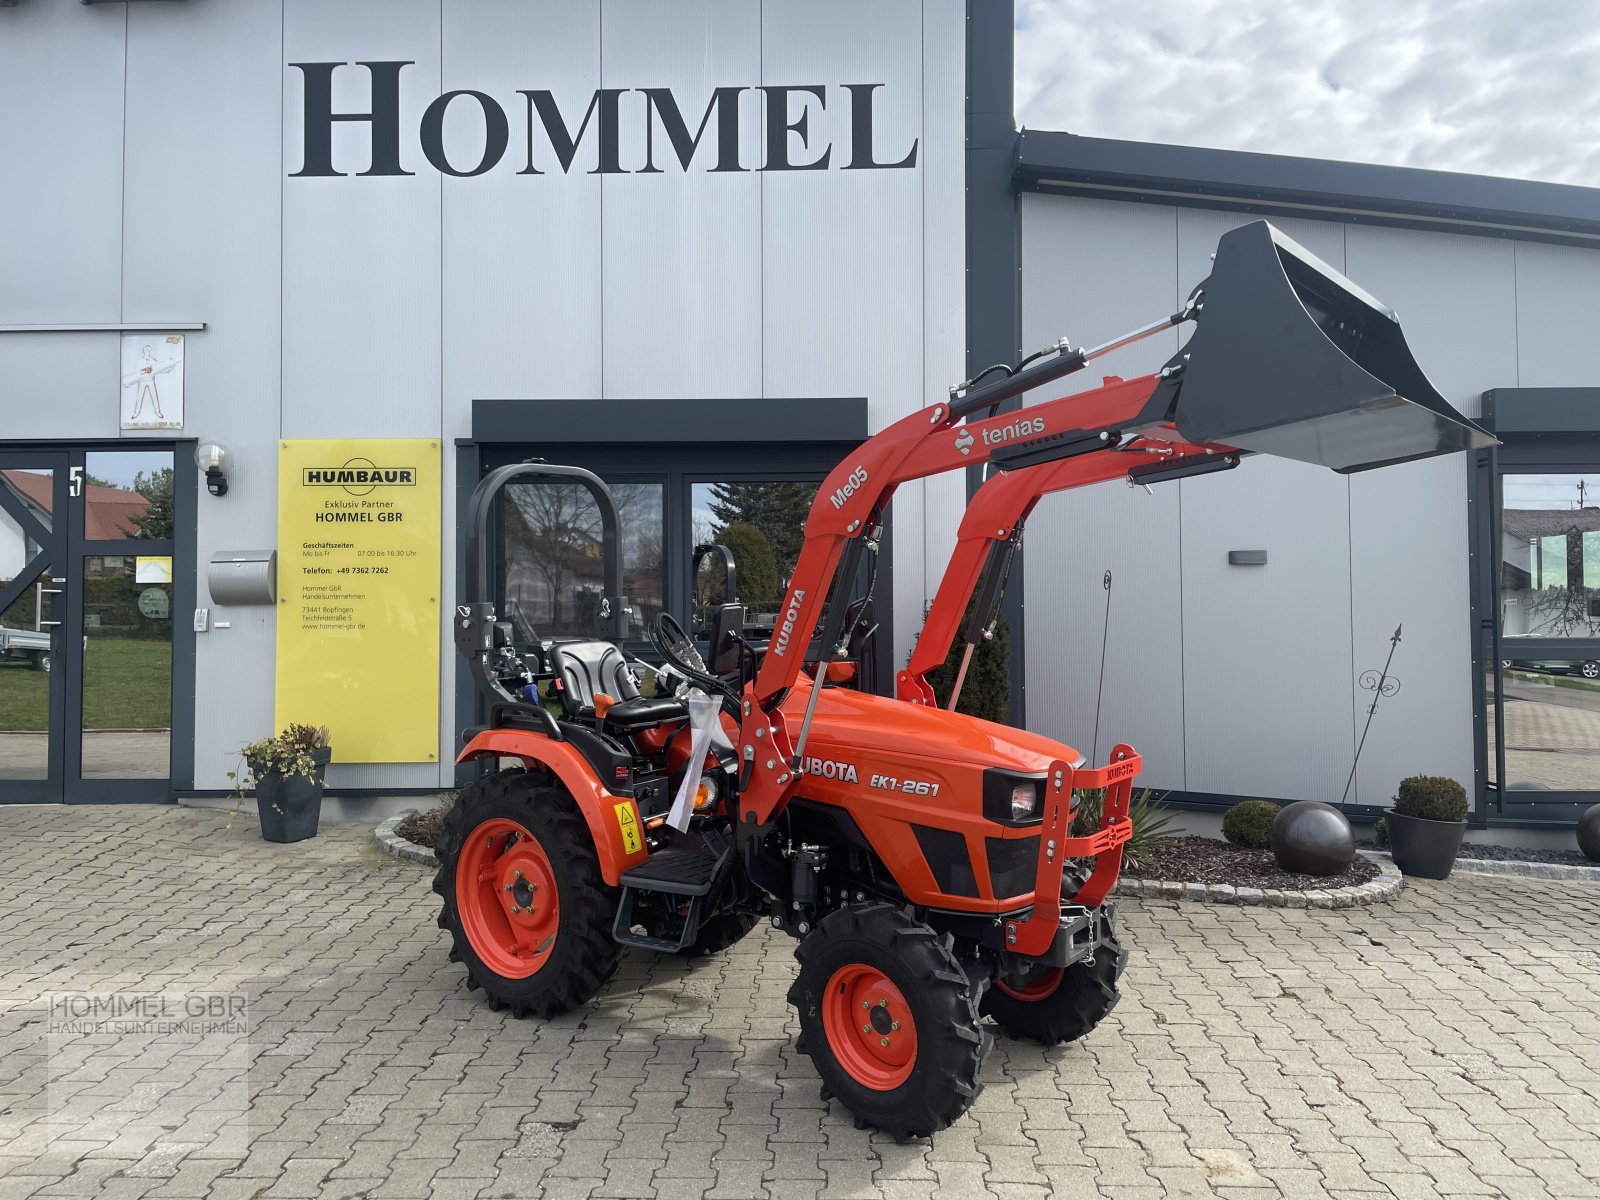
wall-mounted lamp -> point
(214, 459)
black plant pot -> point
(290, 807)
(1426, 849)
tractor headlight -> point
(1012, 797)
(1024, 801)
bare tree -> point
(554, 535)
(553, 531)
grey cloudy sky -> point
(1492, 87)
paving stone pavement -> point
(1442, 1045)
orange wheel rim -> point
(869, 1027)
(507, 898)
(1040, 987)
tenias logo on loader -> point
(359, 476)
(1027, 427)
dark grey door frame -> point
(66, 725)
(678, 470)
(1546, 430)
(679, 442)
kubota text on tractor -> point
(922, 857)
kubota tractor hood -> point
(1289, 357)
(860, 721)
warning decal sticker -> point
(629, 824)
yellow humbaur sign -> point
(358, 586)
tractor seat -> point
(591, 669)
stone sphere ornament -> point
(1589, 833)
(1313, 838)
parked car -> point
(1588, 668)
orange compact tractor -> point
(922, 857)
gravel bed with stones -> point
(424, 828)
(1206, 860)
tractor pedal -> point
(678, 872)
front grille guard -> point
(1035, 933)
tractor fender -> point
(613, 820)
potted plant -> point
(1426, 825)
(286, 772)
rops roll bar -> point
(475, 617)
(730, 571)
(479, 512)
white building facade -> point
(714, 240)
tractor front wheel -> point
(524, 903)
(888, 1017)
(1059, 1004)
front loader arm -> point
(849, 508)
(993, 523)
(851, 501)
(1288, 358)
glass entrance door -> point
(1535, 570)
(91, 635)
(1544, 726)
(33, 595)
(121, 623)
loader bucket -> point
(1290, 358)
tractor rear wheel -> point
(1059, 1004)
(524, 903)
(889, 1019)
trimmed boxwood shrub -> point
(1249, 824)
(1432, 798)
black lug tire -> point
(951, 1042)
(585, 953)
(1087, 992)
(721, 931)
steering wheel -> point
(679, 650)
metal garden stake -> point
(1094, 750)
(1380, 684)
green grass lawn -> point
(127, 685)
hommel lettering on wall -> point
(550, 139)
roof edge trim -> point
(1186, 176)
